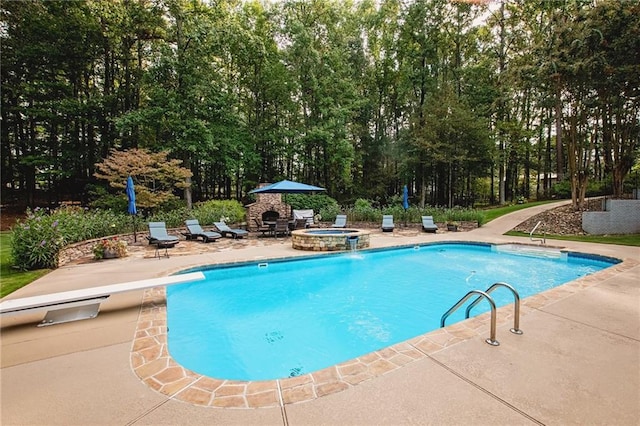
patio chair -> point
(299, 224)
(306, 215)
(159, 237)
(195, 231)
(387, 223)
(428, 225)
(262, 227)
(228, 232)
(282, 227)
(341, 221)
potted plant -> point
(452, 225)
(110, 248)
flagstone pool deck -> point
(578, 361)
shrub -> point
(363, 211)
(208, 212)
(321, 204)
(36, 242)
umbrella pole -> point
(135, 236)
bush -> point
(36, 242)
(208, 212)
(321, 204)
(363, 211)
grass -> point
(11, 279)
(623, 240)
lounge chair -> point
(341, 221)
(159, 237)
(428, 225)
(387, 223)
(282, 227)
(228, 232)
(195, 231)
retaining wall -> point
(619, 217)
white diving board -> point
(84, 303)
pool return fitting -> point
(485, 294)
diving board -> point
(84, 303)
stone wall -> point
(85, 248)
(264, 203)
(619, 217)
(302, 240)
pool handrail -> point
(542, 240)
(492, 338)
(516, 308)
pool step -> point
(532, 251)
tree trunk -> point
(559, 154)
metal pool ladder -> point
(485, 294)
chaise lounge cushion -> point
(158, 235)
(428, 225)
(226, 231)
(387, 223)
(195, 231)
(341, 221)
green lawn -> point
(623, 240)
(11, 279)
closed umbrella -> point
(405, 197)
(405, 202)
(131, 208)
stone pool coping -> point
(152, 363)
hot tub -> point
(329, 239)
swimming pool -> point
(287, 318)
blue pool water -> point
(260, 321)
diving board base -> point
(72, 313)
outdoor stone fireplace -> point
(266, 207)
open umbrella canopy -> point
(131, 195)
(405, 197)
(286, 187)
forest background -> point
(359, 97)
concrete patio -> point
(578, 361)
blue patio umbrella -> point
(287, 187)
(131, 208)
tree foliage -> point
(358, 96)
(154, 175)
